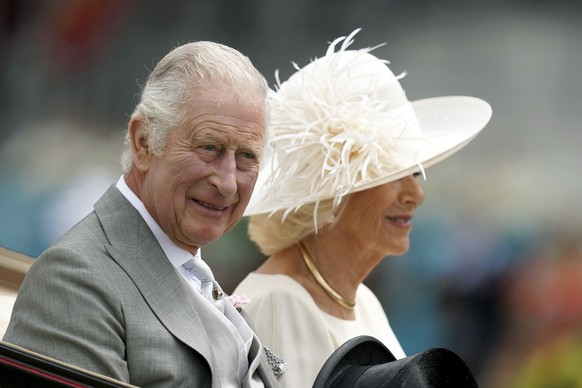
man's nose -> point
(224, 175)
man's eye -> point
(209, 148)
(246, 160)
(247, 155)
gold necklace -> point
(348, 304)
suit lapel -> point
(265, 369)
(136, 250)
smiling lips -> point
(401, 220)
(210, 206)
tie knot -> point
(201, 270)
(196, 267)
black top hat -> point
(365, 362)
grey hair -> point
(273, 232)
(170, 84)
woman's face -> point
(379, 220)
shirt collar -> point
(175, 254)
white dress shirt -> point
(231, 321)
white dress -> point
(290, 324)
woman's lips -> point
(405, 221)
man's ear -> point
(142, 156)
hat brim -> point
(364, 361)
(359, 351)
(448, 124)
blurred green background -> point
(495, 269)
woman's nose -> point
(412, 190)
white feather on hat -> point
(343, 124)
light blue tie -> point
(210, 289)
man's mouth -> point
(210, 206)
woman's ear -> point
(142, 156)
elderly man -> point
(124, 292)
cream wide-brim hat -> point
(343, 124)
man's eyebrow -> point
(211, 138)
(205, 137)
(255, 149)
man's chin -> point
(207, 236)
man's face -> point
(198, 190)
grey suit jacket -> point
(105, 297)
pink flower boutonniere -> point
(238, 300)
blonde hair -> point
(273, 233)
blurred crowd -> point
(495, 269)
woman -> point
(338, 196)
